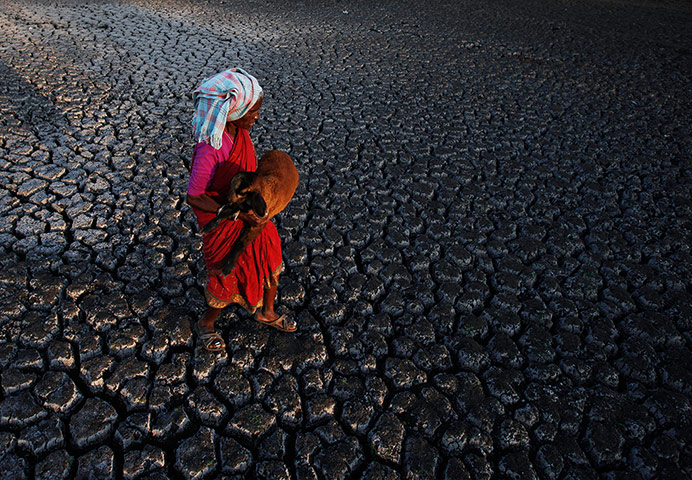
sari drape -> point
(260, 264)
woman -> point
(226, 107)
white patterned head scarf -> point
(225, 96)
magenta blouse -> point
(205, 161)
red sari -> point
(260, 264)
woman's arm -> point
(204, 163)
(207, 204)
(203, 202)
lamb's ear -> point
(239, 185)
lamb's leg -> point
(246, 237)
(226, 212)
(211, 226)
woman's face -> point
(249, 119)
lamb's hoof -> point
(228, 267)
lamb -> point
(265, 191)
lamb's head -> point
(243, 194)
(256, 203)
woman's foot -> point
(210, 338)
(204, 328)
(285, 323)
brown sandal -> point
(283, 323)
(211, 341)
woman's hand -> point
(253, 219)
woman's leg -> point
(267, 313)
(268, 316)
(206, 323)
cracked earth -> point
(488, 255)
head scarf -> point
(225, 96)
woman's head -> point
(228, 96)
(244, 94)
(250, 117)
